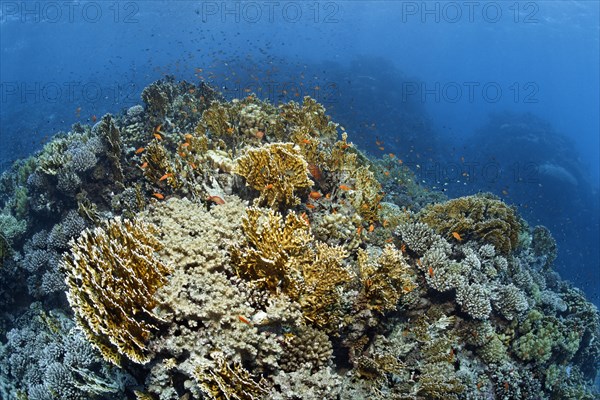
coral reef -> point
(194, 248)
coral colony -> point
(194, 248)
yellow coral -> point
(229, 381)
(321, 278)
(274, 249)
(481, 216)
(112, 275)
(385, 279)
(277, 171)
(284, 257)
(157, 164)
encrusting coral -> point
(112, 276)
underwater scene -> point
(299, 200)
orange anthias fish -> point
(158, 196)
(315, 195)
(165, 176)
(430, 271)
(216, 200)
(314, 171)
(345, 187)
(140, 150)
(457, 236)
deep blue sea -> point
(482, 96)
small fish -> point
(158, 128)
(158, 196)
(305, 218)
(94, 118)
(140, 150)
(314, 171)
(457, 236)
(306, 141)
(386, 173)
(157, 136)
(144, 165)
(371, 228)
(244, 320)
(392, 155)
(165, 176)
(188, 136)
(315, 195)
(216, 200)
(310, 206)
(381, 148)
(193, 165)
(259, 135)
(389, 240)
(268, 186)
(230, 130)
(345, 187)
(359, 230)
(430, 271)
(186, 144)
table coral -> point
(112, 275)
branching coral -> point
(282, 256)
(277, 171)
(384, 279)
(112, 275)
(480, 217)
(229, 381)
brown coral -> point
(277, 171)
(229, 381)
(482, 216)
(384, 279)
(283, 256)
(112, 276)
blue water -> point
(434, 81)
